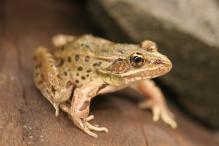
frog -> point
(82, 67)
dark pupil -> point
(137, 59)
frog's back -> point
(88, 44)
(79, 58)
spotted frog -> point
(86, 66)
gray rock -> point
(186, 30)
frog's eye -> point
(137, 59)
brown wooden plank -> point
(11, 130)
(28, 119)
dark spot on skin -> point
(77, 74)
(68, 84)
(83, 77)
(97, 64)
(42, 79)
(62, 48)
(60, 62)
(77, 57)
(65, 73)
(87, 75)
(38, 65)
(80, 68)
(36, 73)
(84, 45)
(59, 76)
(89, 70)
(87, 58)
(77, 81)
(150, 49)
(53, 89)
(47, 90)
(69, 59)
(120, 51)
(84, 105)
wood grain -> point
(26, 118)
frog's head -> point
(138, 62)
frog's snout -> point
(165, 63)
(161, 62)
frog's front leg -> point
(156, 102)
(55, 88)
(80, 106)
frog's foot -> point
(159, 110)
(83, 123)
(89, 118)
(96, 127)
(88, 128)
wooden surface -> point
(26, 118)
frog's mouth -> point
(148, 73)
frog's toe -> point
(168, 118)
(96, 128)
(89, 118)
(164, 114)
(89, 132)
(159, 111)
(88, 128)
(56, 106)
(156, 113)
(82, 124)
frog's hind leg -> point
(61, 39)
(47, 79)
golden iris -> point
(137, 59)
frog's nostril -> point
(159, 61)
